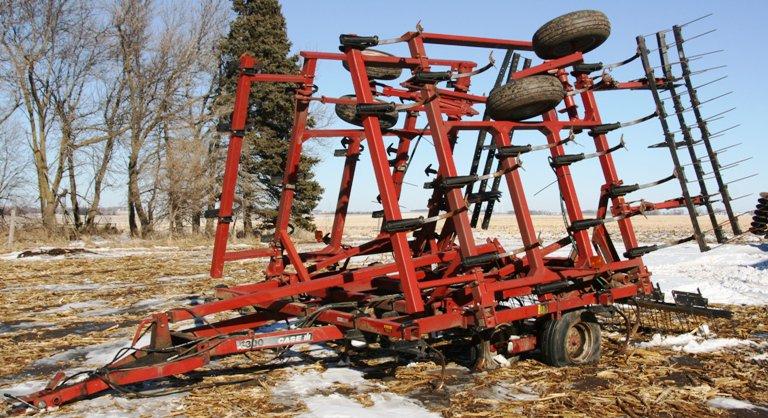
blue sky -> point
(315, 25)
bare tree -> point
(12, 167)
(113, 125)
(27, 41)
(162, 71)
(138, 85)
(53, 48)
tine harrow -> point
(435, 282)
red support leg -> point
(520, 204)
(606, 163)
(345, 190)
(447, 164)
(568, 193)
(381, 169)
(229, 182)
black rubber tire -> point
(574, 339)
(378, 73)
(525, 98)
(580, 31)
(347, 113)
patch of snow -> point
(94, 252)
(760, 357)
(730, 274)
(148, 303)
(693, 343)
(182, 278)
(25, 388)
(93, 355)
(75, 306)
(64, 287)
(384, 405)
(309, 381)
(116, 406)
(508, 391)
(305, 386)
(503, 362)
(25, 325)
(730, 403)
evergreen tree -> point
(259, 29)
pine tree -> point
(259, 29)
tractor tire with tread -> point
(574, 339)
(348, 113)
(525, 98)
(579, 31)
(378, 73)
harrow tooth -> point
(402, 225)
(374, 109)
(604, 128)
(543, 289)
(585, 68)
(617, 191)
(513, 151)
(479, 260)
(358, 42)
(582, 224)
(640, 251)
(566, 159)
(429, 77)
(608, 127)
(486, 196)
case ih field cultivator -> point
(441, 284)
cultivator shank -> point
(439, 281)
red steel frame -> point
(428, 286)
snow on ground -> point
(730, 403)
(700, 340)
(730, 274)
(694, 344)
(310, 386)
(106, 252)
(94, 355)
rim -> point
(578, 342)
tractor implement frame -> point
(435, 278)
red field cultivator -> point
(440, 283)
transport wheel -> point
(580, 31)
(347, 113)
(378, 73)
(571, 340)
(525, 98)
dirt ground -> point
(53, 305)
